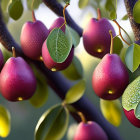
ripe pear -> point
(17, 80)
(58, 23)
(110, 77)
(32, 37)
(50, 64)
(89, 131)
(96, 37)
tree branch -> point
(136, 27)
(58, 9)
(60, 84)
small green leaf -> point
(117, 45)
(35, 4)
(4, 5)
(83, 3)
(137, 111)
(67, 1)
(75, 92)
(136, 12)
(59, 45)
(15, 9)
(125, 17)
(75, 36)
(132, 57)
(131, 95)
(74, 71)
(5, 122)
(113, 15)
(53, 124)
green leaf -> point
(67, 1)
(75, 36)
(15, 9)
(117, 45)
(137, 111)
(75, 92)
(132, 57)
(4, 5)
(74, 71)
(136, 12)
(59, 45)
(35, 4)
(131, 95)
(125, 17)
(5, 122)
(41, 95)
(83, 3)
(53, 124)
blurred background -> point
(24, 116)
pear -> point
(110, 77)
(17, 80)
(89, 131)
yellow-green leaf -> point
(111, 111)
(75, 92)
(83, 3)
(5, 122)
(136, 12)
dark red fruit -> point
(17, 80)
(90, 131)
(50, 64)
(32, 37)
(96, 37)
(110, 77)
(131, 117)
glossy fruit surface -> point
(32, 37)
(131, 117)
(17, 80)
(50, 64)
(110, 77)
(89, 131)
(96, 37)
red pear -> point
(90, 131)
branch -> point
(58, 9)
(61, 85)
(136, 27)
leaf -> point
(4, 5)
(117, 45)
(59, 45)
(132, 57)
(41, 95)
(35, 4)
(83, 3)
(75, 36)
(67, 1)
(137, 111)
(125, 17)
(5, 122)
(131, 95)
(111, 111)
(136, 12)
(75, 92)
(53, 124)
(74, 71)
(15, 9)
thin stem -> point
(81, 115)
(111, 46)
(14, 52)
(33, 14)
(120, 34)
(98, 13)
(65, 22)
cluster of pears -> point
(33, 42)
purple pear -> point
(110, 77)
(32, 37)
(90, 131)
(1, 60)
(17, 80)
(96, 37)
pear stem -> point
(14, 52)
(111, 46)
(33, 14)
(65, 22)
(120, 34)
(81, 115)
(98, 13)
